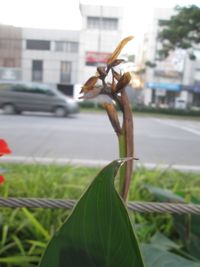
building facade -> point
(50, 56)
(171, 81)
(60, 57)
(101, 32)
(10, 53)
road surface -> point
(89, 139)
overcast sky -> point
(64, 14)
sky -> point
(64, 14)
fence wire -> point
(141, 207)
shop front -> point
(195, 90)
(164, 94)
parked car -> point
(19, 97)
(180, 103)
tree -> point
(181, 31)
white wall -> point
(96, 39)
(89, 40)
(51, 58)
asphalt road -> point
(90, 139)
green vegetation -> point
(25, 232)
(181, 31)
(168, 111)
(76, 243)
(92, 106)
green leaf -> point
(98, 233)
(38, 226)
(188, 228)
(19, 244)
(186, 225)
(155, 257)
(163, 194)
(161, 241)
(20, 260)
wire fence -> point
(141, 207)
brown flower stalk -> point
(117, 93)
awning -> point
(196, 89)
(164, 86)
(192, 88)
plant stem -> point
(122, 154)
(128, 144)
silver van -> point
(19, 97)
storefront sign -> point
(160, 92)
(94, 58)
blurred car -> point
(180, 103)
(19, 97)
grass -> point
(25, 232)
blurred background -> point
(53, 42)
(62, 42)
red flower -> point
(4, 149)
(1, 179)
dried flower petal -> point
(116, 62)
(91, 94)
(90, 83)
(116, 75)
(118, 49)
(123, 81)
(102, 72)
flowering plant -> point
(4, 149)
(115, 89)
(98, 233)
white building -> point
(101, 32)
(176, 78)
(66, 58)
(50, 56)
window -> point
(37, 89)
(196, 99)
(4, 86)
(110, 24)
(60, 46)
(37, 70)
(19, 88)
(65, 71)
(102, 23)
(93, 22)
(37, 45)
(73, 47)
(65, 46)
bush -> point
(25, 232)
(167, 111)
(94, 105)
